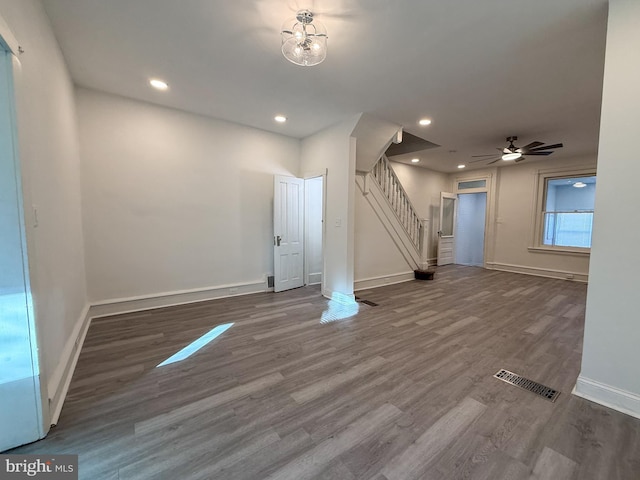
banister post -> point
(424, 244)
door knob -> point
(277, 241)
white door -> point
(20, 407)
(446, 234)
(288, 231)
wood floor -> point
(299, 388)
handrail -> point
(399, 201)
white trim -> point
(7, 39)
(585, 252)
(539, 272)
(59, 380)
(381, 281)
(315, 173)
(611, 397)
(117, 306)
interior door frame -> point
(490, 220)
(484, 226)
(18, 95)
(309, 176)
(454, 197)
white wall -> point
(611, 354)
(376, 255)
(48, 150)
(423, 187)
(175, 201)
(334, 150)
(515, 211)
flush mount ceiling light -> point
(280, 118)
(415, 160)
(304, 42)
(424, 122)
(461, 166)
(579, 184)
(158, 84)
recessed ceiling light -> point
(461, 166)
(424, 122)
(280, 118)
(415, 160)
(158, 84)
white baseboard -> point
(539, 272)
(381, 281)
(58, 382)
(315, 278)
(118, 306)
(612, 397)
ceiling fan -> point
(517, 154)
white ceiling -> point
(482, 70)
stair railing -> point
(399, 202)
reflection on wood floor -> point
(298, 388)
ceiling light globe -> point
(415, 160)
(304, 42)
(511, 156)
(424, 122)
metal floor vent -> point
(366, 302)
(529, 385)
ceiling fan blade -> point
(481, 160)
(547, 147)
(519, 159)
(537, 153)
(496, 160)
(531, 145)
(478, 156)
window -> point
(565, 206)
(472, 184)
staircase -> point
(384, 192)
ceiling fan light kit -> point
(304, 42)
(518, 154)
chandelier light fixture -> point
(304, 42)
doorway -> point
(20, 404)
(470, 229)
(313, 224)
(298, 225)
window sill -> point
(578, 252)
